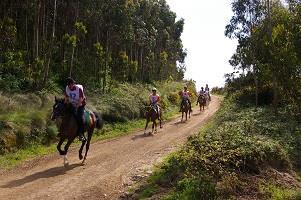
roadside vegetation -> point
(241, 153)
(26, 130)
(251, 149)
(117, 50)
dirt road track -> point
(110, 165)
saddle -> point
(89, 118)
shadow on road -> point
(196, 114)
(56, 171)
(141, 136)
(181, 122)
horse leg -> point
(160, 121)
(155, 124)
(66, 163)
(147, 121)
(80, 155)
(90, 132)
(59, 145)
(182, 116)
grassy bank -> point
(26, 131)
(242, 153)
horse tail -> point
(99, 121)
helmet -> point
(69, 81)
(154, 89)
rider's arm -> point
(66, 97)
(81, 98)
(158, 99)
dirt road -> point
(111, 165)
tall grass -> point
(227, 158)
(25, 123)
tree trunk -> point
(275, 95)
(72, 58)
(106, 64)
(46, 73)
(26, 34)
(38, 28)
(141, 64)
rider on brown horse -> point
(154, 99)
(74, 94)
(202, 92)
(207, 90)
(185, 95)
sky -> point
(208, 49)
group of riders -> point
(74, 94)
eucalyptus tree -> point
(247, 15)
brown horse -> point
(152, 115)
(67, 125)
(201, 101)
(185, 108)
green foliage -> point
(133, 42)
(237, 144)
(189, 188)
(81, 27)
(218, 90)
(268, 49)
(24, 119)
(275, 192)
(127, 101)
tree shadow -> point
(56, 171)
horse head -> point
(58, 108)
(201, 98)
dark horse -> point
(201, 101)
(68, 126)
(152, 115)
(185, 108)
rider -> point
(154, 99)
(208, 91)
(74, 94)
(202, 91)
(185, 95)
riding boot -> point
(158, 113)
(80, 130)
(181, 106)
(81, 136)
(190, 105)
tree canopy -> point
(96, 42)
(268, 52)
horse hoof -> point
(161, 126)
(66, 164)
(80, 157)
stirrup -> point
(81, 138)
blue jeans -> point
(79, 115)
